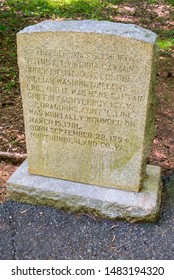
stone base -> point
(78, 197)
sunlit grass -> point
(166, 44)
(60, 8)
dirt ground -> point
(158, 18)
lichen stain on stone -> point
(124, 158)
(83, 164)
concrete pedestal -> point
(84, 198)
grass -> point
(60, 8)
(166, 44)
(166, 40)
(94, 9)
(171, 2)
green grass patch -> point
(93, 9)
(59, 8)
(3, 27)
(171, 2)
(166, 44)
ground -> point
(156, 17)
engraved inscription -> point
(70, 97)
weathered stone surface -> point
(105, 202)
(87, 90)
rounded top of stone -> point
(92, 26)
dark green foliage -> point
(3, 27)
(171, 2)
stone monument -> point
(88, 101)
